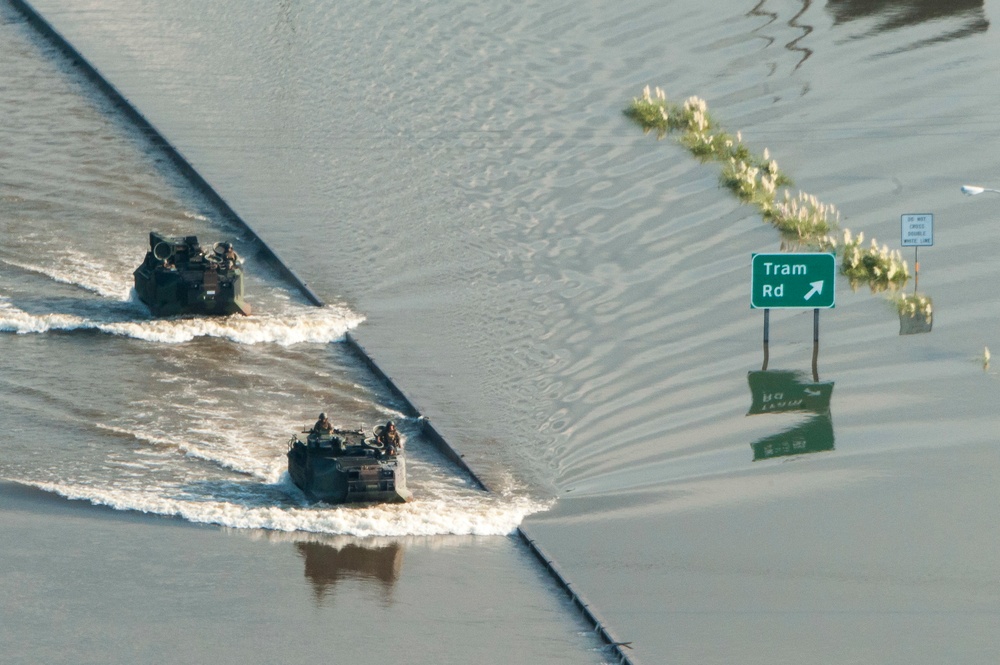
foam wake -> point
(474, 513)
(301, 325)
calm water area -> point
(565, 297)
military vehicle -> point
(346, 466)
(178, 277)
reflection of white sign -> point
(918, 230)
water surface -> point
(568, 298)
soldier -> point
(195, 252)
(229, 257)
(323, 425)
(389, 438)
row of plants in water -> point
(805, 223)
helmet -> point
(322, 415)
(390, 425)
(229, 245)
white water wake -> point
(296, 326)
(468, 512)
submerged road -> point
(265, 252)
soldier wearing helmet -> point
(323, 425)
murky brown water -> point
(568, 299)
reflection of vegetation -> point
(804, 221)
(925, 22)
(896, 14)
(916, 313)
(913, 305)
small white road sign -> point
(918, 230)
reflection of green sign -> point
(812, 436)
(792, 281)
(786, 391)
(781, 391)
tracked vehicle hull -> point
(176, 277)
(345, 468)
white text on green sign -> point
(792, 281)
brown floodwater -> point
(566, 297)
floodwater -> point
(565, 297)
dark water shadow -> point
(956, 18)
(914, 325)
(760, 10)
(806, 30)
(326, 566)
(790, 391)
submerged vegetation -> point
(914, 305)
(804, 221)
(880, 267)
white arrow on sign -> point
(817, 287)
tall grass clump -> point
(753, 181)
(879, 267)
(804, 221)
(651, 111)
(804, 217)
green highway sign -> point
(792, 281)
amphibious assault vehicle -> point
(345, 466)
(178, 277)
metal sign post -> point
(916, 231)
(793, 281)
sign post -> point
(793, 281)
(916, 230)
